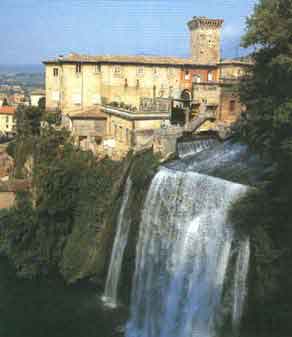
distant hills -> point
(25, 68)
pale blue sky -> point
(34, 30)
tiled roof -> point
(7, 110)
(159, 60)
(150, 60)
(91, 113)
(38, 92)
(238, 61)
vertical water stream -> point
(121, 238)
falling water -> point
(182, 255)
(121, 238)
(240, 288)
(186, 149)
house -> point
(7, 119)
(136, 94)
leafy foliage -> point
(66, 223)
(266, 126)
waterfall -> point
(240, 288)
(186, 149)
(120, 242)
(183, 252)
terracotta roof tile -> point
(159, 60)
(7, 110)
(91, 113)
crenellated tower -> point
(205, 40)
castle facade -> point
(119, 101)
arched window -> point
(186, 96)
(210, 76)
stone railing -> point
(155, 105)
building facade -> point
(7, 119)
(134, 95)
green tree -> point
(28, 120)
(42, 103)
(267, 91)
(266, 126)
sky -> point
(35, 30)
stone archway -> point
(186, 96)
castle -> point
(117, 102)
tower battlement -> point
(203, 21)
(205, 39)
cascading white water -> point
(240, 287)
(120, 242)
(186, 149)
(182, 255)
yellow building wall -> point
(128, 83)
(6, 123)
(72, 90)
(80, 90)
(232, 71)
(53, 87)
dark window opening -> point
(154, 91)
(78, 68)
(56, 72)
(232, 106)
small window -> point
(78, 68)
(197, 79)
(140, 71)
(138, 84)
(170, 91)
(126, 83)
(187, 75)
(56, 96)
(161, 93)
(232, 106)
(170, 72)
(120, 133)
(117, 70)
(55, 72)
(155, 71)
(76, 99)
(97, 68)
(210, 76)
(154, 91)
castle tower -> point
(205, 40)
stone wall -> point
(88, 127)
(230, 107)
(205, 40)
(70, 90)
(129, 83)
